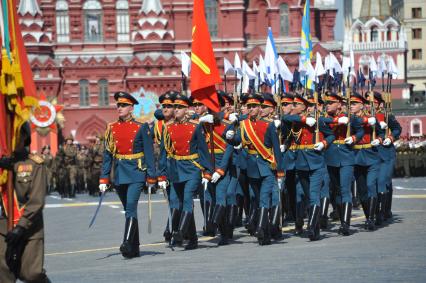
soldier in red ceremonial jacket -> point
(128, 147)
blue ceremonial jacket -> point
(387, 153)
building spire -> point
(151, 6)
(379, 9)
(29, 6)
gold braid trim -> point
(109, 141)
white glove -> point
(162, 185)
(215, 177)
(280, 183)
(150, 187)
(277, 123)
(349, 140)
(282, 147)
(375, 142)
(372, 121)
(310, 121)
(238, 146)
(208, 118)
(103, 187)
(343, 120)
(233, 117)
(383, 125)
(387, 142)
(319, 146)
(230, 135)
(204, 182)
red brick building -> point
(82, 51)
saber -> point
(149, 210)
(205, 209)
(169, 224)
(97, 209)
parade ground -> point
(75, 253)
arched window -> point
(211, 16)
(92, 21)
(123, 24)
(360, 39)
(103, 93)
(374, 34)
(84, 93)
(416, 128)
(389, 34)
(62, 22)
(284, 20)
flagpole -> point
(224, 78)
(183, 83)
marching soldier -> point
(340, 159)
(48, 162)
(164, 117)
(84, 164)
(185, 162)
(97, 153)
(22, 248)
(367, 159)
(264, 166)
(69, 158)
(309, 162)
(128, 147)
(391, 131)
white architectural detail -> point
(151, 6)
(29, 6)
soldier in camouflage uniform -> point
(48, 162)
(96, 153)
(84, 162)
(70, 154)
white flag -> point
(248, 71)
(382, 69)
(270, 57)
(352, 59)
(327, 65)
(245, 84)
(335, 64)
(228, 67)
(319, 68)
(392, 68)
(186, 63)
(262, 69)
(373, 66)
(283, 70)
(237, 66)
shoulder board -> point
(196, 122)
(136, 121)
(226, 122)
(36, 158)
(269, 120)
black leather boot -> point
(130, 246)
(252, 221)
(240, 209)
(325, 202)
(369, 223)
(276, 232)
(380, 208)
(299, 218)
(345, 217)
(388, 206)
(192, 234)
(219, 218)
(209, 230)
(313, 228)
(175, 226)
(231, 219)
(262, 235)
(185, 221)
(167, 234)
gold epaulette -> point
(196, 122)
(36, 158)
(226, 122)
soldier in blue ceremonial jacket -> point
(367, 159)
(165, 116)
(309, 161)
(184, 161)
(128, 147)
(340, 159)
(391, 130)
(264, 163)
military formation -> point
(272, 158)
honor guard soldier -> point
(340, 159)
(367, 159)
(309, 161)
(391, 130)
(165, 116)
(264, 164)
(185, 162)
(128, 146)
(22, 248)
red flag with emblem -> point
(204, 71)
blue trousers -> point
(366, 180)
(384, 179)
(341, 177)
(262, 188)
(129, 196)
(173, 198)
(310, 182)
(325, 188)
(185, 192)
(276, 194)
(220, 189)
(231, 192)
